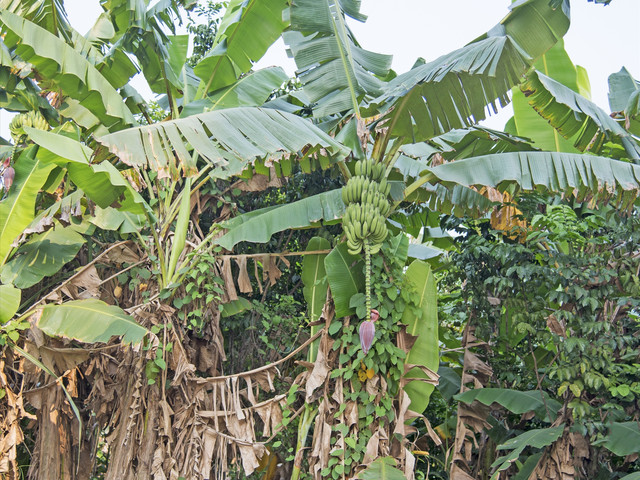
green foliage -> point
(42, 256)
(382, 468)
(268, 329)
(89, 320)
(202, 290)
(17, 209)
(535, 438)
(316, 284)
(10, 331)
(423, 323)
(204, 34)
(395, 297)
(560, 312)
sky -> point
(601, 38)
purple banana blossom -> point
(7, 177)
(368, 331)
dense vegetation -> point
(337, 275)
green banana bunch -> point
(366, 196)
(29, 119)
(364, 222)
(369, 168)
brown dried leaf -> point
(43, 224)
(249, 451)
(259, 183)
(555, 326)
(437, 159)
(319, 457)
(122, 254)
(473, 362)
(351, 414)
(90, 281)
(432, 434)
(493, 300)
(580, 445)
(409, 464)
(491, 193)
(320, 367)
(70, 291)
(255, 269)
(508, 218)
(244, 282)
(403, 416)
(371, 453)
(270, 270)
(227, 277)
(458, 473)
(284, 260)
(431, 376)
(404, 339)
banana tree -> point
(86, 189)
(412, 138)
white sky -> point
(601, 39)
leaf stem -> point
(417, 184)
(367, 277)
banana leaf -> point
(335, 71)
(597, 178)
(227, 139)
(422, 323)
(237, 45)
(314, 279)
(90, 321)
(556, 64)
(48, 14)
(454, 90)
(572, 114)
(252, 90)
(346, 278)
(258, 226)
(42, 256)
(537, 438)
(65, 68)
(624, 99)
(9, 302)
(101, 182)
(17, 209)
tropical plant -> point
(553, 321)
(148, 242)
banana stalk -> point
(367, 277)
(180, 234)
(303, 430)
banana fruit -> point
(29, 119)
(366, 197)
